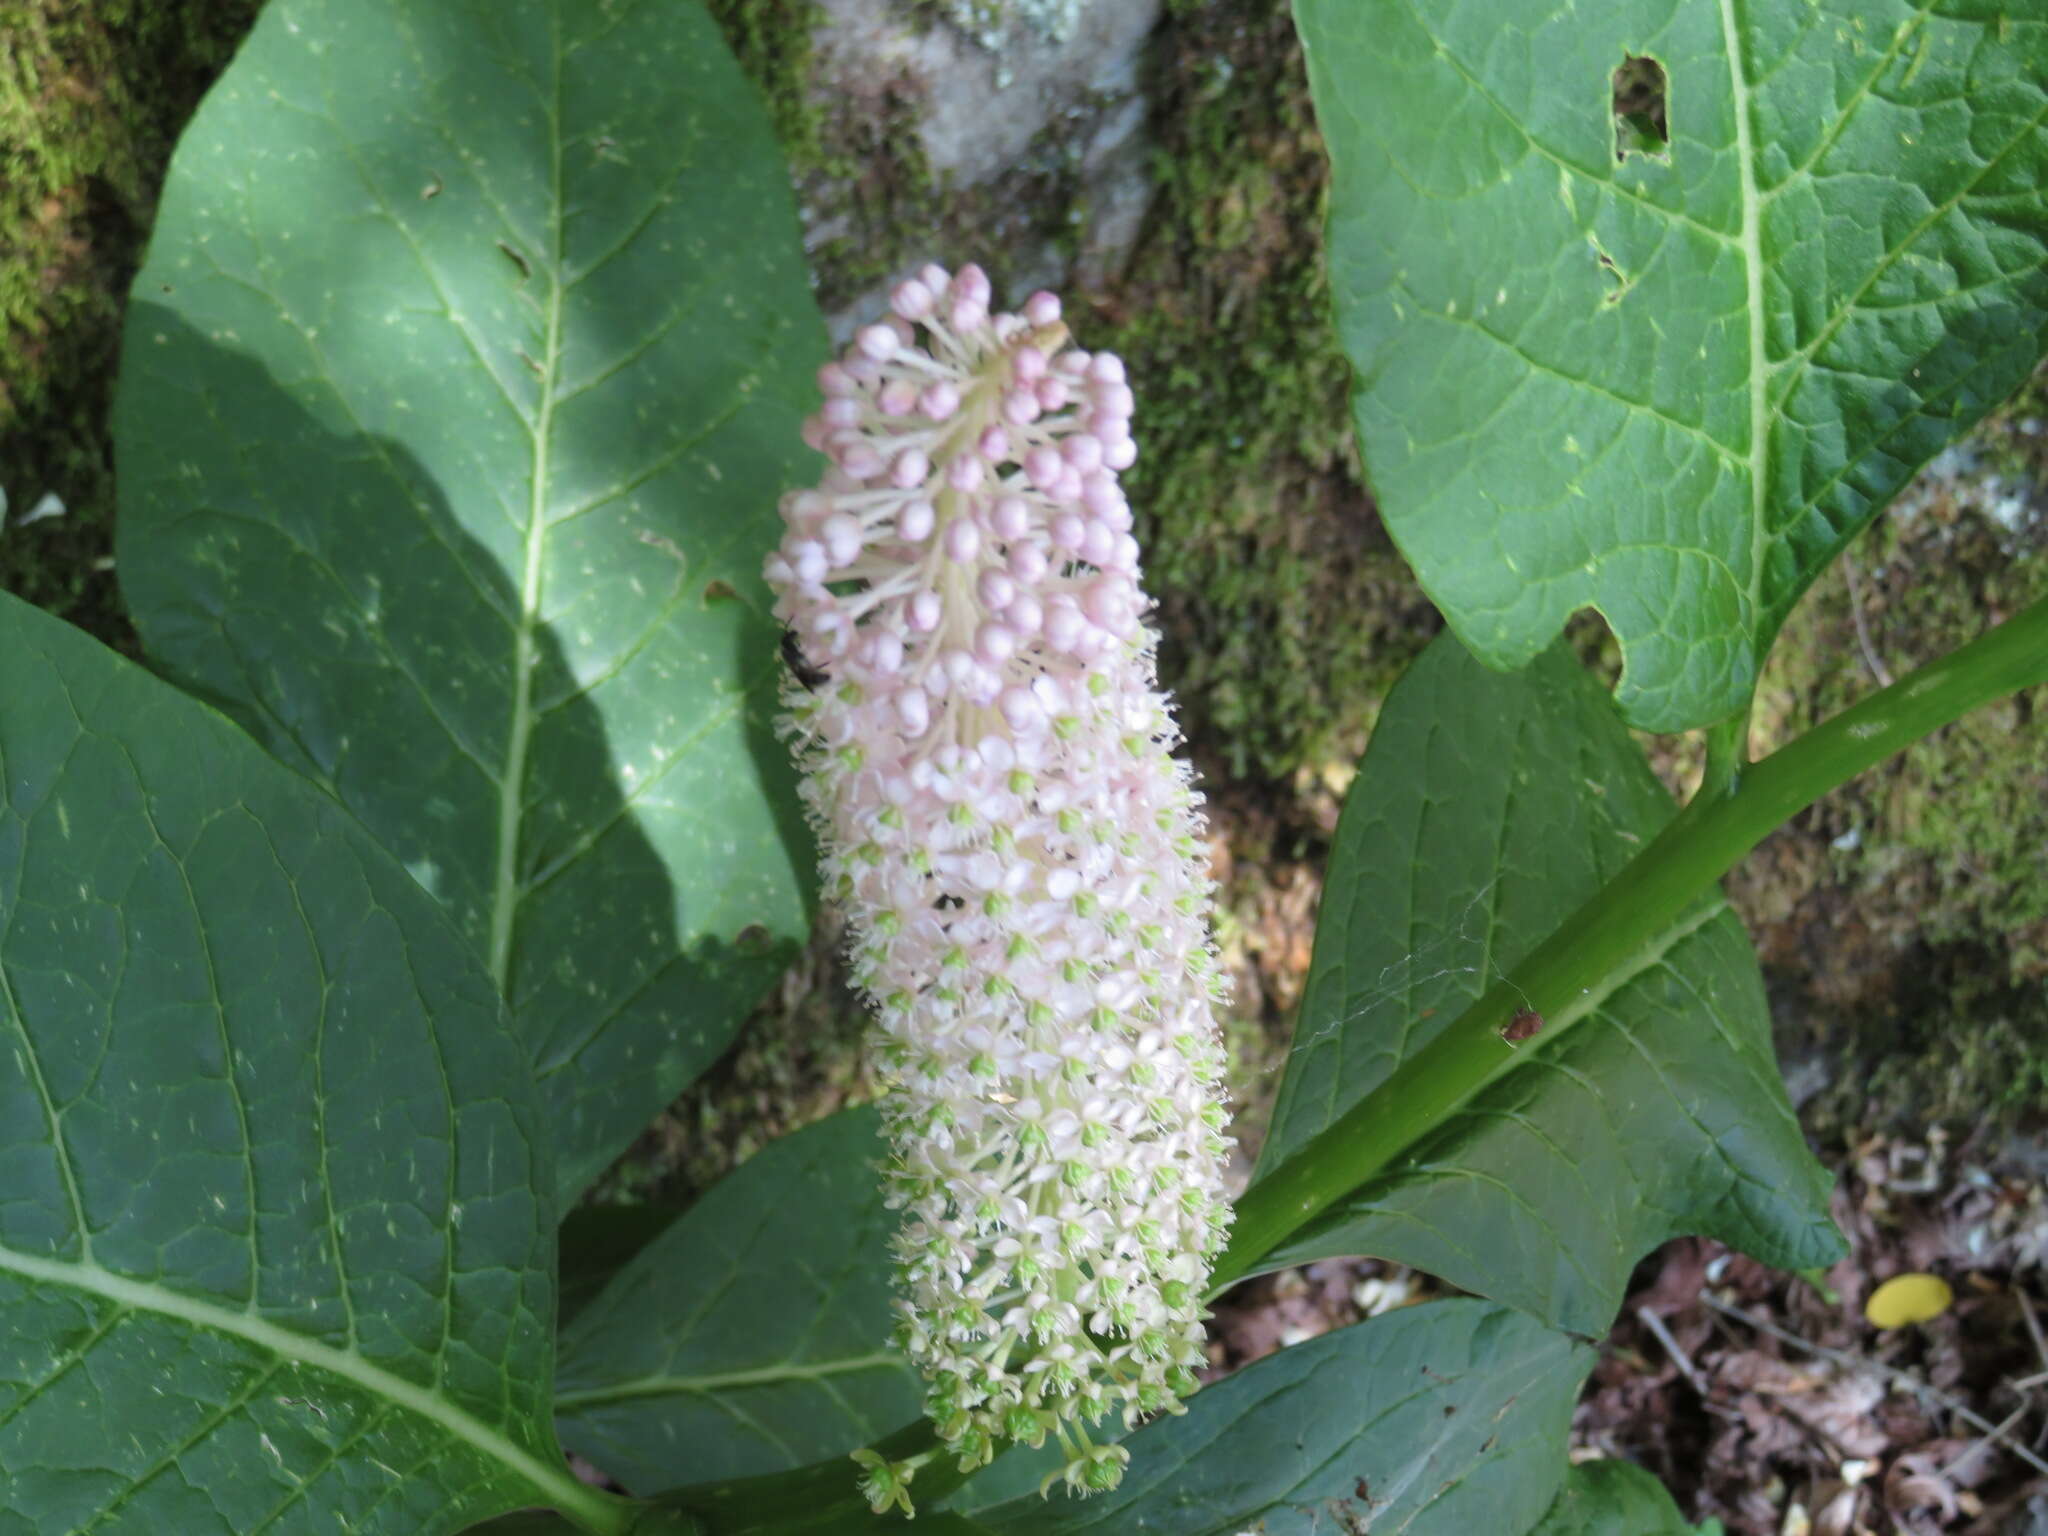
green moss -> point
(877, 189)
(772, 41)
(873, 185)
(91, 101)
(1286, 611)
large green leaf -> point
(276, 1240)
(459, 385)
(1489, 806)
(1441, 1420)
(1612, 1498)
(1672, 386)
(754, 1334)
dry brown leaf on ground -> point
(1840, 1404)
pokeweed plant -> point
(459, 392)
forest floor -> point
(1902, 924)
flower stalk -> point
(988, 762)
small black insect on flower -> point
(799, 665)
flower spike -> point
(988, 763)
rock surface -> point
(1048, 92)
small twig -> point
(2028, 1383)
(2033, 1325)
(1892, 1373)
(1877, 667)
(1679, 1357)
(1971, 1450)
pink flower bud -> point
(910, 468)
(1022, 710)
(1063, 626)
(1011, 518)
(885, 652)
(912, 300)
(842, 538)
(1106, 605)
(1098, 544)
(963, 540)
(1082, 451)
(913, 711)
(1101, 495)
(995, 590)
(914, 522)
(1028, 564)
(994, 644)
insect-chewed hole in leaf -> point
(1618, 281)
(1642, 122)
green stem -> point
(1635, 916)
(590, 1509)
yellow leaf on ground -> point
(1907, 1299)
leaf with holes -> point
(751, 1336)
(458, 389)
(276, 1246)
(1667, 363)
(1612, 1498)
(1489, 804)
(1438, 1420)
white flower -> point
(988, 761)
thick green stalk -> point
(1633, 916)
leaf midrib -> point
(555, 1484)
(506, 887)
(698, 1386)
(1749, 242)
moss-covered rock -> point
(1904, 920)
(1286, 611)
